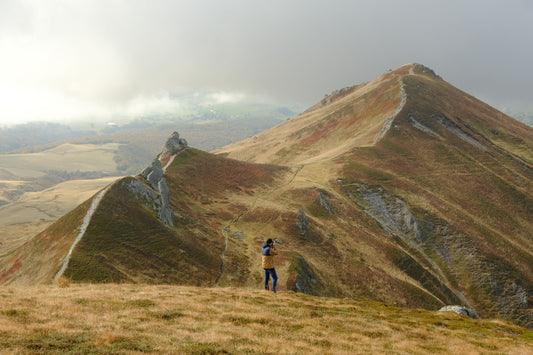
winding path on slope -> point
(86, 220)
(226, 229)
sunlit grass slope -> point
(68, 157)
(136, 319)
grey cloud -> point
(109, 52)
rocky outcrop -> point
(303, 223)
(151, 199)
(422, 69)
(418, 125)
(154, 175)
(324, 202)
(304, 279)
(173, 144)
(500, 291)
(165, 213)
(459, 310)
(390, 212)
(458, 131)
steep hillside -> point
(404, 190)
(347, 119)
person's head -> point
(270, 241)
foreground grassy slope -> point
(126, 319)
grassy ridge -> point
(121, 319)
(126, 243)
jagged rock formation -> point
(420, 68)
(151, 199)
(172, 145)
(154, 175)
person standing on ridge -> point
(268, 263)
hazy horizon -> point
(67, 61)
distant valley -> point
(46, 169)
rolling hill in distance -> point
(404, 190)
(42, 159)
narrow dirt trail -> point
(225, 230)
(388, 123)
(86, 220)
(172, 157)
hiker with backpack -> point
(268, 263)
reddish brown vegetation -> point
(322, 132)
(16, 266)
(204, 174)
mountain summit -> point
(403, 190)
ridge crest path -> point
(388, 123)
(86, 220)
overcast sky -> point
(74, 59)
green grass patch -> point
(196, 348)
(141, 303)
(16, 313)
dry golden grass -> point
(51, 203)
(13, 236)
(326, 130)
(128, 319)
(83, 157)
